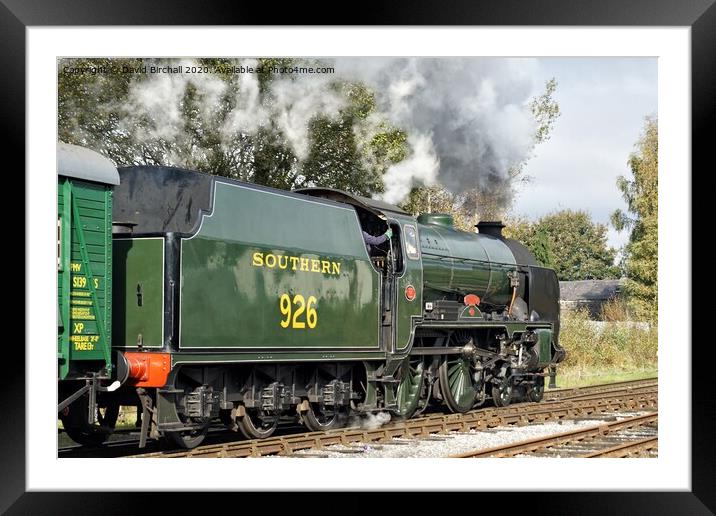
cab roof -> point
(374, 206)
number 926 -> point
(293, 311)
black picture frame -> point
(700, 15)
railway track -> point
(576, 392)
(604, 440)
(590, 405)
(128, 444)
(631, 449)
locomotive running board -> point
(437, 350)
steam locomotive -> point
(201, 299)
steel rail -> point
(640, 394)
(531, 445)
(631, 386)
(596, 395)
(421, 428)
(603, 387)
(626, 449)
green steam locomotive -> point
(200, 300)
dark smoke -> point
(468, 118)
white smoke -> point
(298, 100)
(470, 116)
(467, 120)
(293, 101)
(421, 168)
(249, 114)
(160, 96)
(369, 421)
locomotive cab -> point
(385, 257)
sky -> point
(603, 102)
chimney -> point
(492, 228)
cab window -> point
(411, 242)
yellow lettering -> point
(81, 312)
(258, 260)
(79, 281)
(284, 304)
(300, 302)
(283, 261)
(294, 261)
(292, 312)
(75, 267)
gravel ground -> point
(442, 445)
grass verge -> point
(604, 352)
(568, 378)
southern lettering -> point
(295, 263)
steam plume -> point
(468, 118)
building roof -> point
(589, 290)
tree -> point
(542, 248)
(351, 152)
(546, 111)
(569, 242)
(641, 196)
(436, 199)
(534, 237)
(269, 128)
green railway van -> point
(84, 263)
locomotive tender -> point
(200, 298)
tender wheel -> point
(319, 417)
(257, 425)
(190, 439)
(82, 432)
(536, 391)
(502, 393)
(407, 394)
(456, 383)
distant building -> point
(589, 294)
